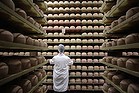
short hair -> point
(61, 48)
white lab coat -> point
(61, 72)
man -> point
(61, 70)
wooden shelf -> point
(16, 75)
(39, 83)
(18, 46)
(123, 47)
(71, 36)
(71, 11)
(76, 83)
(81, 76)
(121, 8)
(41, 20)
(122, 27)
(78, 56)
(29, 7)
(107, 5)
(91, 90)
(134, 73)
(70, 17)
(115, 86)
(42, 5)
(18, 20)
(74, 5)
(73, 42)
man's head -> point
(61, 48)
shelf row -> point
(74, 4)
(115, 86)
(122, 47)
(128, 71)
(17, 46)
(18, 21)
(16, 75)
(123, 26)
(49, 76)
(73, 10)
(74, 23)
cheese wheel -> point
(132, 38)
(4, 33)
(121, 41)
(31, 20)
(25, 64)
(114, 61)
(101, 81)
(84, 87)
(39, 75)
(13, 89)
(9, 3)
(84, 67)
(19, 38)
(96, 47)
(112, 90)
(96, 87)
(110, 75)
(26, 85)
(133, 88)
(72, 73)
(108, 44)
(78, 80)
(43, 72)
(78, 87)
(124, 84)
(72, 87)
(14, 65)
(109, 59)
(78, 53)
(84, 80)
(34, 79)
(40, 59)
(73, 67)
(90, 81)
(72, 81)
(84, 74)
(90, 87)
(121, 19)
(29, 40)
(33, 61)
(39, 90)
(90, 67)
(96, 74)
(114, 23)
(3, 70)
(132, 64)
(89, 60)
(96, 67)
(117, 79)
(131, 12)
(105, 73)
(21, 12)
(90, 74)
(106, 87)
(84, 60)
(121, 62)
(114, 43)
(78, 73)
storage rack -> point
(120, 30)
(69, 35)
(18, 24)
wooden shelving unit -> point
(16, 75)
(18, 46)
(123, 47)
(114, 85)
(18, 20)
(134, 73)
(39, 83)
(29, 7)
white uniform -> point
(61, 72)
